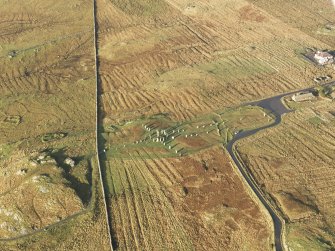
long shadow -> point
(100, 140)
(83, 190)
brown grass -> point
(195, 202)
(177, 57)
(49, 83)
(187, 61)
(202, 63)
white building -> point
(323, 57)
(303, 96)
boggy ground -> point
(195, 202)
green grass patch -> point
(227, 69)
(300, 239)
(162, 137)
(53, 136)
(14, 120)
(315, 120)
(140, 7)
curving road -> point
(277, 108)
(277, 221)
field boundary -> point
(67, 219)
(109, 227)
